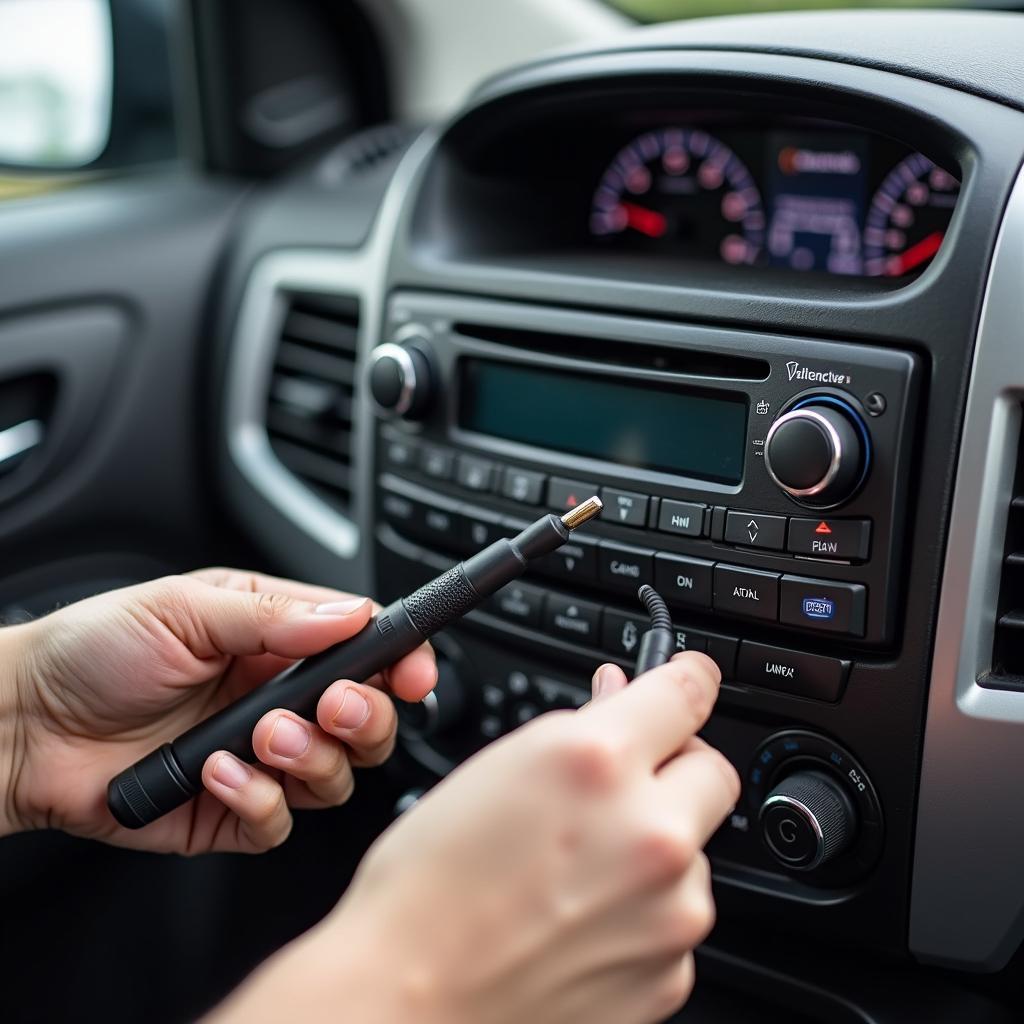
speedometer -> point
(908, 217)
(680, 190)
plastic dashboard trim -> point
(359, 273)
(967, 900)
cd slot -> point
(620, 353)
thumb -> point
(213, 621)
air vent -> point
(310, 405)
(1008, 651)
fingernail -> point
(346, 607)
(288, 738)
(354, 710)
(601, 679)
(230, 772)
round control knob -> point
(442, 708)
(817, 453)
(400, 379)
(807, 820)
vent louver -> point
(1008, 649)
(310, 404)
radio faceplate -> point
(798, 573)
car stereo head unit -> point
(758, 481)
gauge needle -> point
(917, 254)
(647, 222)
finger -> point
(264, 820)
(261, 583)
(363, 718)
(608, 679)
(657, 713)
(283, 740)
(704, 789)
(211, 621)
(412, 677)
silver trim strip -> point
(967, 897)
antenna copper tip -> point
(582, 513)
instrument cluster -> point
(815, 197)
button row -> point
(847, 540)
(628, 508)
(696, 583)
(838, 539)
(592, 625)
(618, 633)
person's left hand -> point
(91, 688)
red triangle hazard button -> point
(823, 527)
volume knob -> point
(807, 820)
(400, 379)
(817, 453)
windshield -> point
(668, 10)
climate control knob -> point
(817, 453)
(807, 820)
(400, 379)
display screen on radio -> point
(632, 423)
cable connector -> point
(657, 645)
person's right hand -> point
(557, 876)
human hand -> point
(94, 686)
(557, 876)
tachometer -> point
(908, 217)
(681, 190)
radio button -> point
(574, 560)
(518, 602)
(474, 474)
(400, 453)
(440, 526)
(625, 507)
(747, 592)
(755, 531)
(826, 605)
(566, 494)
(805, 675)
(844, 539)
(689, 639)
(437, 462)
(523, 485)
(621, 633)
(398, 510)
(570, 619)
(682, 580)
(482, 528)
(623, 567)
(683, 517)
(722, 650)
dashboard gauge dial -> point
(680, 190)
(908, 217)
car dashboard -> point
(757, 283)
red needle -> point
(647, 222)
(916, 254)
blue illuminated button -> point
(823, 604)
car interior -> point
(344, 290)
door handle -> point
(20, 438)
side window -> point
(85, 87)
